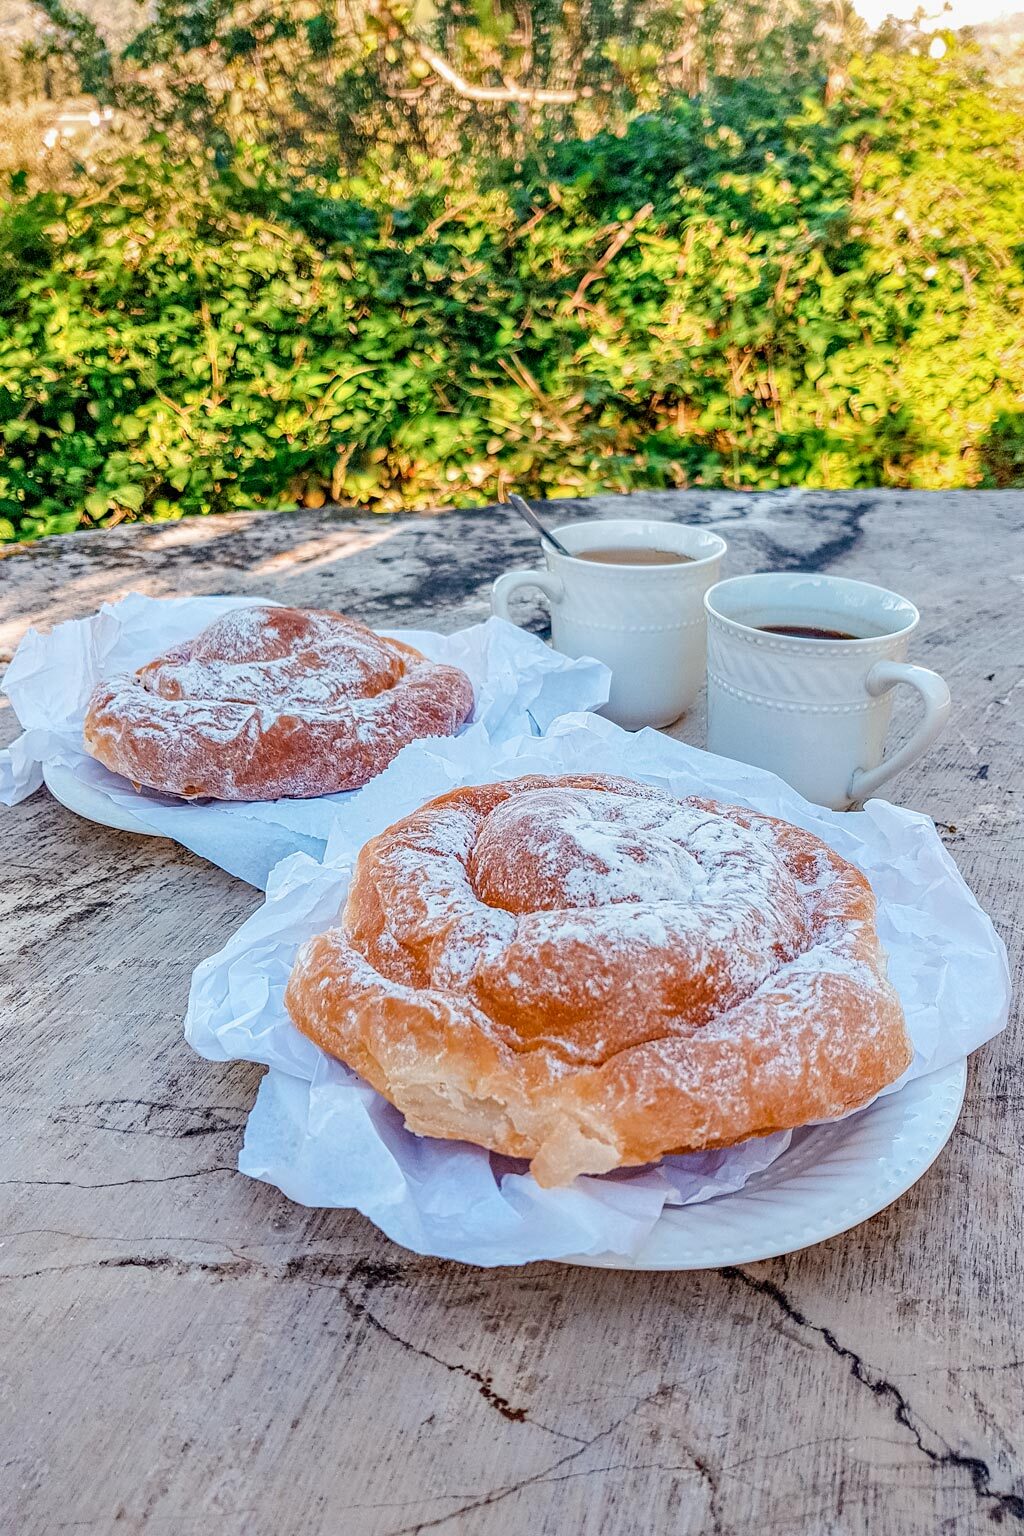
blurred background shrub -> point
(268, 255)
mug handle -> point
(933, 690)
(505, 585)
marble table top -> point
(184, 1350)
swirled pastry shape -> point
(269, 703)
(591, 974)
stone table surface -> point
(183, 1350)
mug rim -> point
(806, 643)
(627, 524)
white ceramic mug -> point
(646, 622)
(815, 712)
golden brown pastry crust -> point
(270, 703)
(590, 974)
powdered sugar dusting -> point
(594, 974)
(270, 703)
(278, 658)
(703, 905)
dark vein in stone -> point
(319, 1272)
(165, 1178)
(1003, 1505)
(359, 1310)
(208, 1118)
(986, 1145)
(498, 1495)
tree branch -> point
(625, 232)
(531, 96)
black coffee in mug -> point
(806, 632)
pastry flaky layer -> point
(591, 974)
(268, 703)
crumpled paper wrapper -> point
(327, 1139)
(521, 686)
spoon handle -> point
(526, 511)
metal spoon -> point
(535, 523)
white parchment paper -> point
(521, 685)
(326, 1139)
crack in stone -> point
(986, 1146)
(220, 1271)
(164, 1178)
(975, 1370)
(498, 1495)
(322, 1272)
(167, 1263)
(710, 1477)
(540, 1482)
(239, 1264)
(483, 1382)
(978, 1470)
(157, 1119)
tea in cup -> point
(630, 592)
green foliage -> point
(1002, 452)
(824, 295)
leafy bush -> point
(749, 288)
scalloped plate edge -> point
(684, 1239)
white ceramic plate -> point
(831, 1178)
(91, 803)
